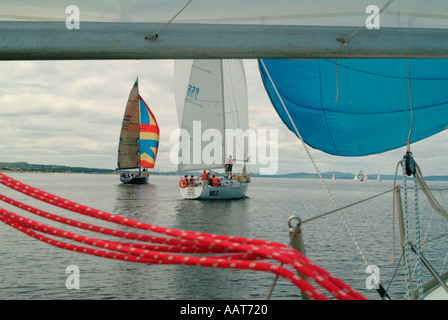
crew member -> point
(216, 181)
(229, 165)
(204, 179)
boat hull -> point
(434, 291)
(134, 180)
(232, 190)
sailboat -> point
(211, 98)
(379, 177)
(360, 176)
(139, 140)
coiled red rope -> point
(227, 251)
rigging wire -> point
(154, 36)
(395, 273)
(347, 206)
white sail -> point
(211, 96)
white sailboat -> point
(212, 106)
(379, 177)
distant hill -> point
(24, 166)
(27, 167)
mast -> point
(139, 132)
(223, 116)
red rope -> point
(245, 252)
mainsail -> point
(211, 97)
(139, 138)
(356, 107)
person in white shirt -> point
(229, 165)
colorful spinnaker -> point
(139, 138)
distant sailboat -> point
(360, 176)
(139, 140)
(212, 98)
(379, 177)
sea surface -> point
(30, 269)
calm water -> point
(30, 269)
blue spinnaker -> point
(357, 107)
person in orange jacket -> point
(216, 181)
(204, 179)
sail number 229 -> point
(193, 91)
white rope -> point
(432, 200)
(156, 35)
(315, 167)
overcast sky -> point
(70, 112)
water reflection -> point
(228, 217)
(136, 201)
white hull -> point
(231, 190)
(434, 291)
(437, 294)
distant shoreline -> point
(42, 168)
